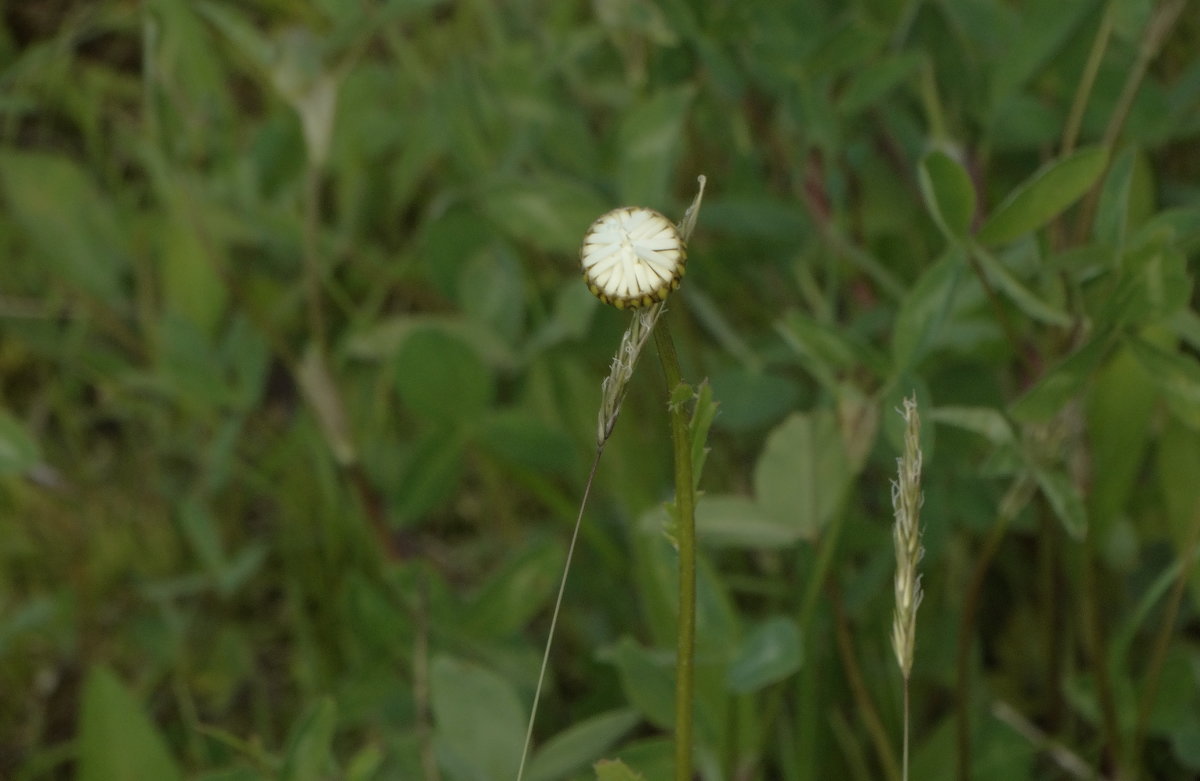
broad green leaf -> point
(1041, 197)
(927, 317)
(751, 400)
(650, 758)
(383, 339)
(549, 213)
(520, 439)
(874, 80)
(1153, 283)
(657, 572)
(72, 227)
(989, 423)
(433, 470)
(117, 742)
(1177, 465)
(648, 680)
(191, 285)
(1177, 377)
(521, 588)
(648, 145)
(479, 723)
(802, 473)
(949, 194)
(828, 350)
(449, 242)
(616, 770)
(441, 378)
(1061, 383)
(309, 755)
(771, 652)
(1112, 213)
(1064, 499)
(1120, 405)
(19, 452)
(1025, 299)
(577, 745)
(491, 291)
(738, 522)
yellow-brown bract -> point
(632, 257)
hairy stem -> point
(685, 511)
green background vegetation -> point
(298, 385)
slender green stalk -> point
(685, 518)
(1161, 644)
(1084, 90)
(1015, 498)
(562, 587)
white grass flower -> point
(632, 257)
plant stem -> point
(1084, 90)
(685, 517)
(904, 768)
(562, 587)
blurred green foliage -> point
(298, 384)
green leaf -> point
(949, 194)
(1177, 464)
(648, 144)
(1064, 499)
(549, 213)
(479, 721)
(771, 652)
(1112, 212)
(648, 680)
(191, 285)
(1025, 299)
(751, 400)
(928, 311)
(72, 227)
(19, 452)
(117, 742)
(491, 291)
(309, 754)
(1177, 377)
(616, 770)
(1061, 383)
(576, 746)
(802, 473)
(519, 438)
(989, 423)
(1041, 197)
(1120, 407)
(738, 522)
(521, 588)
(870, 83)
(441, 378)
(432, 474)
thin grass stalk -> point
(861, 692)
(562, 587)
(1162, 21)
(1016, 497)
(1162, 643)
(1086, 79)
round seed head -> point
(632, 257)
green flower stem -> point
(685, 511)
